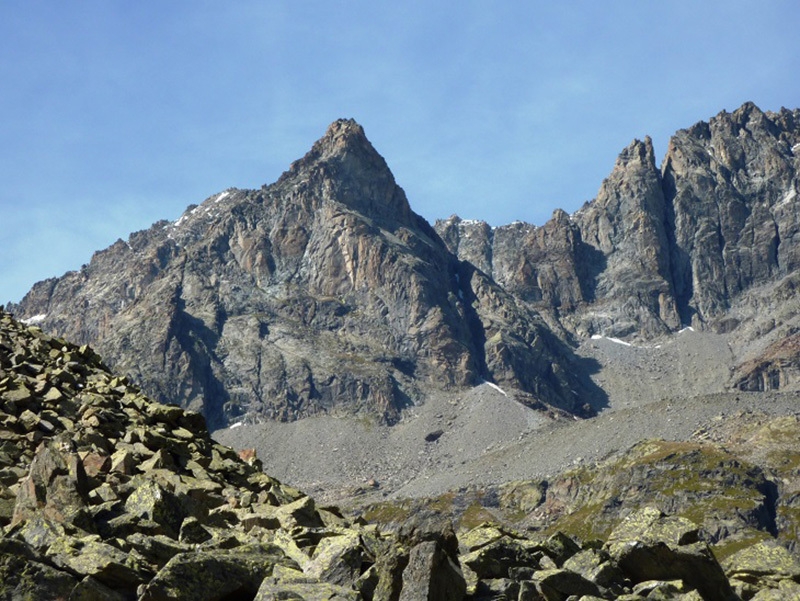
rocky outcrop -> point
(732, 184)
(113, 496)
(324, 292)
(321, 293)
(657, 249)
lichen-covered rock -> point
(337, 559)
(305, 591)
(215, 575)
(560, 584)
(432, 574)
(26, 575)
(763, 565)
(650, 546)
(152, 502)
(55, 487)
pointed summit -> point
(344, 167)
(344, 134)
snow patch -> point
(686, 329)
(35, 319)
(788, 197)
(796, 147)
(222, 195)
(496, 387)
(236, 425)
(610, 339)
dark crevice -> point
(464, 272)
(680, 269)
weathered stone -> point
(560, 584)
(206, 576)
(193, 532)
(161, 459)
(56, 486)
(156, 549)
(123, 461)
(635, 547)
(107, 564)
(305, 591)
(152, 502)
(23, 574)
(595, 565)
(762, 563)
(499, 588)
(480, 536)
(299, 513)
(337, 559)
(432, 574)
(94, 463)
(91, 589)
(495, 559)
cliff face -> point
(322, 292)
(325, 292)
(658, 249)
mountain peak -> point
(344, 132)
(343, 137)
(347, 169)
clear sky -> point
(117, 114)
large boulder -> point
(651, 546)
(209, 576)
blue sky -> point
(118, 114)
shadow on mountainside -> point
(594, 397)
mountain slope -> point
(321, 293)
(324, 293)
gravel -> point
(666, 389)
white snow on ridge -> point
(35, 319)
(496, 387)
(787, 198)
(686, 329)
(236, 425)
(222, 195)
(610, 339)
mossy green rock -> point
(155, 503)
(764, 561)
(305, 591)
(210, 575)
(337, 559)
(24, 578)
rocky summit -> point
(106, 495)
(321, 293)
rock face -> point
(658, 249)
(323, 292)
(708, 241)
